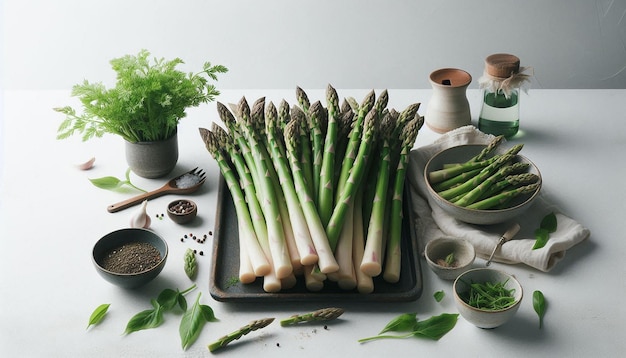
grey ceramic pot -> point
(152, 159)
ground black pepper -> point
(131, 258)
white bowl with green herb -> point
(448, 257)
(487, 298)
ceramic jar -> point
(448, 107)
(152, 159)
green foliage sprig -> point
(539, 304)
(433, 328)
(113, 183)
(542, 235)
(146, 104)
(98, 314)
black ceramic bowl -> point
(134, 271)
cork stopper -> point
(502, 65)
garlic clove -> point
(140, 218)
(86, 165)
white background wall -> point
(281, 44)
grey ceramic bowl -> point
(486, 318)
(178, 215)
(461, 154)
(114, 240)
(438, 249)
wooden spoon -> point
(169, 188)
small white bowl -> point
(438, 249)
(486, 318)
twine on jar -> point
(506, 85)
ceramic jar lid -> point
(502, 65)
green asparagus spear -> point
(503, 197)
(326, 192)
(347, 161)
(442, 175)
(247, 233)
(509, 182)
(327, 262)
(250, 327)
(302, 235)
(373, 259)
(335, 224)
(393, 251)
(475, 181)
(270, 202)
(488, 149)
(324, 314)
(475, 193)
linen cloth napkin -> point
(432, 222)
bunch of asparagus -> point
(485, 182)
(297, 178)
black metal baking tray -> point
(225, 267)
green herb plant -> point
(433, 328)
(542, 234)
(98, 314)
(113, 183)
(489, 295)
(167, 300)
(146, 104)
(539, 304)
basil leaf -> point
(208, 313)
(539, 304)
(98, 314)
(168, 298)
(541, 238)
(192, 322)
(436, 327)
(146, 319)
(439, 295)
(182, 302)
(549, 223)
(403, 323)
(108, 183)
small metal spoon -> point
(508, 235)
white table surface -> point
(51, 216)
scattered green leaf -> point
(191, 265)
(450, 259)
(541, 238)
(113, 183)
(439, 295)
(539, 304)
(98, 314)
(433, 328)
(146, 319)
(542, 234)
(166, 301)
(170, 298)
(193, 321)
(549, 223)
(403, 323)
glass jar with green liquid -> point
(501, 82)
